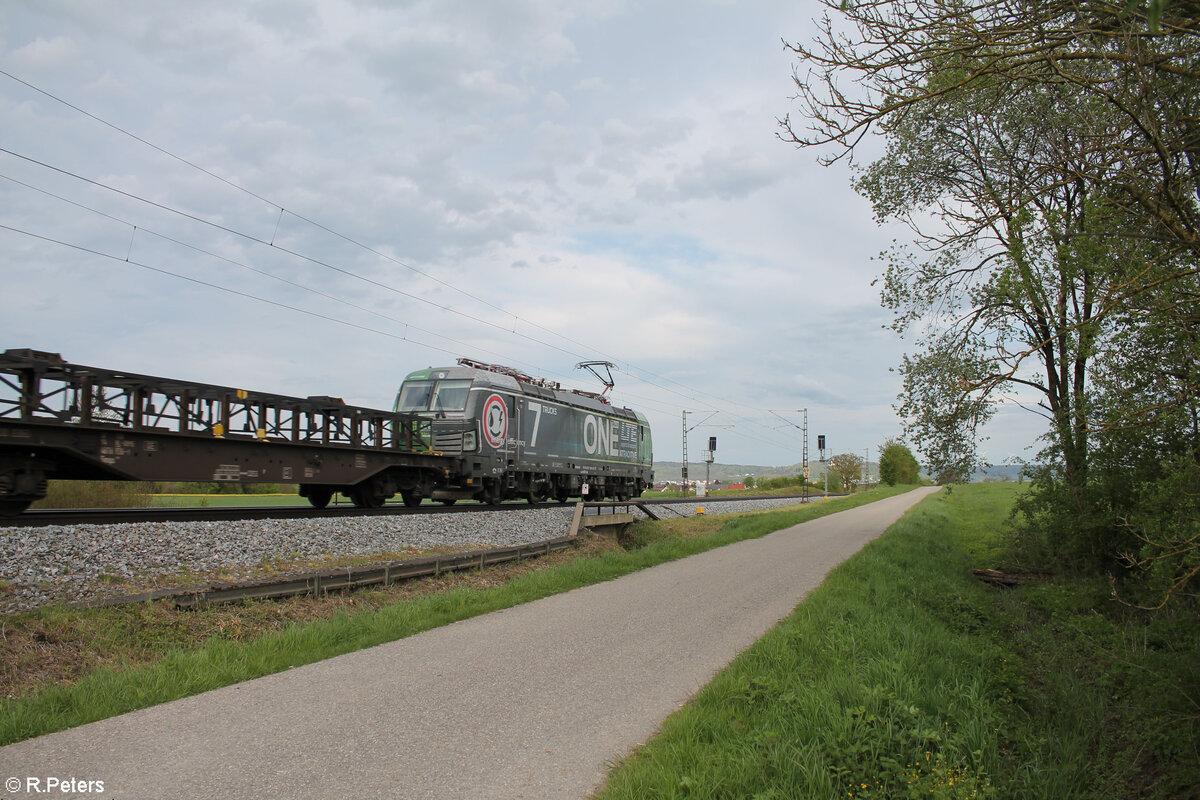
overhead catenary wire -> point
(344, 237)
(691, 394)
(691, 397)
(134, 228)
(319, 262)
(252, 238)
(282, 209)
(221, 288)
(127, 259)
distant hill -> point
(670, 470)
(726, 473)
(1002, 472)
(734, 473)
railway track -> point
(89, 564)
(587, 515)
(104, 516)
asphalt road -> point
(530, 702)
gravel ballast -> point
(87, 562)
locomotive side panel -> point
(517, 440)
(560, 435)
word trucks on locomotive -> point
(472, 431)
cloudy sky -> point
(317, 197)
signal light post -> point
(803, 428)
(709, 456)
(686, 430)
(685, 464)
(821, 441)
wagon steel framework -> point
(70, 421)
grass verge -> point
(903, 676)
(130, 658)
(881, 684)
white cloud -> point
(45, 54)
(727, 176)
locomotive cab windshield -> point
(433, 395)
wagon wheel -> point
(319, 496)
(411, 499)
(11, 508)
(367, 496)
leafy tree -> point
(1137, 86)
(1154, 12)
(940, 417)
(1146, 465)
(1163, 523)
(1047, 158)
(897, 463)
(848, 467)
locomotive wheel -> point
(411, 499)
(319, 497)
(490, 493)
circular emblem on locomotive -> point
(495, 420)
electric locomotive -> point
(515, 436)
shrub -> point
(96, 494)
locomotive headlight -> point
(469, 440)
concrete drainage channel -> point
(317, 583)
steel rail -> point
(101, 516)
